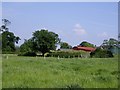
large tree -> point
(45, 41)
(111, 45)
(110, 42)
(8, 38)
(8, 41)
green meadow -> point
(50, 72)
(0, 71)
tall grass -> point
(0, 71)
(39, 72)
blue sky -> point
(74, 22)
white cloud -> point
(78, 29)
(104, 35)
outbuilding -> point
(87, 49)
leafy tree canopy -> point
(27, 46)
(8, 39)
(100, 53)
(111, 45)
(65, 45)
(111, 42)
(45, 41)
(42, 41)
(86, 44)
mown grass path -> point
(38, 72)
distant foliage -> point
(7, 38)
(68, 54)
(27, 54)
(112, 45)
(27, 46)
(100, 53)
(8, 42)
(87, 44)
(65, 45)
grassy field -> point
(0, 71)
(38, 72)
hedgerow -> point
(101, 53)
(68, 54)
(27, 54)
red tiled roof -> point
(89, 49)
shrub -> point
(66, 54)
(27, 54)
(101, 53)
(7, 52)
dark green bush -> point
(101, 53)
(5, 52)
(64, 54)
(27, 54)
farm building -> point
(88, 49)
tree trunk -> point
(43, 54)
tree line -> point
(43, 41)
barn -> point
(87, 49)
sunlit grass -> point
(38, 72)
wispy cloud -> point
(78, 29)
(103, 35)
